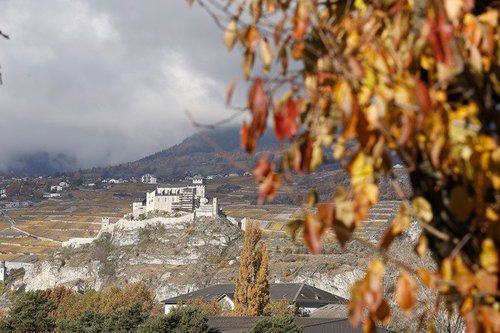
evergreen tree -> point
(179, 320)
(252, 285)
(284, 324)
(30, 313)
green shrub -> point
(284, 324)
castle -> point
(190, 198)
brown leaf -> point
(383, 312)
(266, 54)
(406, 293)
(230, 92)
(303, 155)
(400, 223)
(312, 234)
(256, 9)
(278, 30)
(326, 214)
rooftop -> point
(309, 325)
(293, 292)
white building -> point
(148, 179)
(190, 198)
(51, 195)
(3, 271)
(56, 188)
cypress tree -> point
(252, 285)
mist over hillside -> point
(41, 164)
(194, 155)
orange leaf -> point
(312, 234)
(250, 38)
(406, 293)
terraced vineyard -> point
(34, 232)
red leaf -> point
(266, 178)
(440, 35)
(285, 120)
(258, 103)
(422, 96)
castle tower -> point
(3, 271)
(215, 207)
(105, 222)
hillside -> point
(193, 155)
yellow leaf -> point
(317, 157)
(231, 34)
(489, 256)
(422, 209)
(361, 169)
(422, 246)
(248, 60)
(266, 54)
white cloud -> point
(107, 81)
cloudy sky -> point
(107, 81)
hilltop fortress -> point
(190, 198)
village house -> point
(191, 198)
(148, 179)
(56, 188)
(3, 271)
(307, 298)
